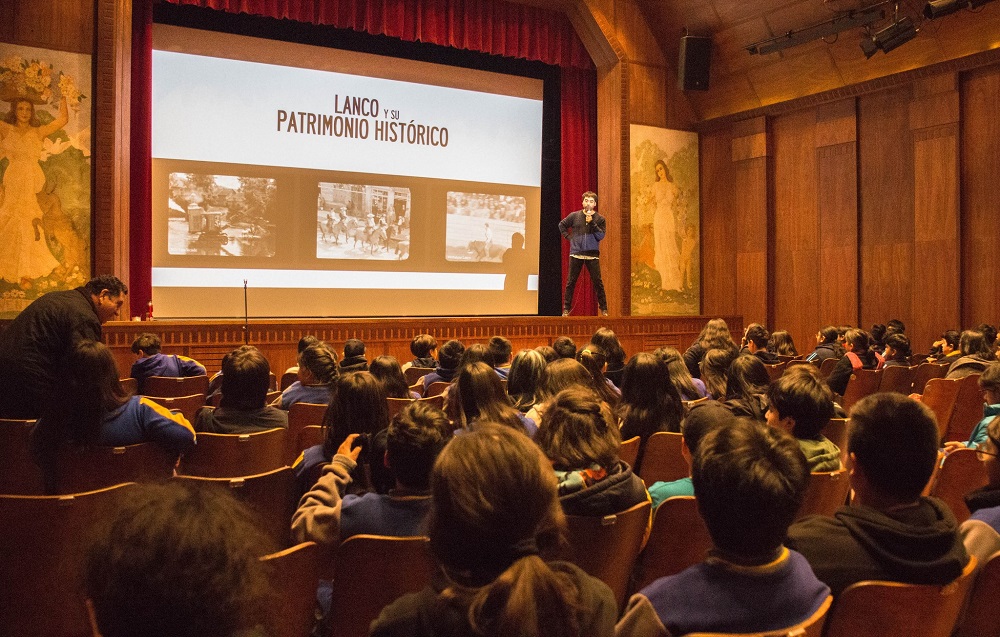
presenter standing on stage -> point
(584, 230)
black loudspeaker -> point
(693, 63)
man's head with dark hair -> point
(989, 333)
(107, 293)
(178, 559)
(354, 357)
(354, 347)
(423, 346)
(416, 436)
(246, 377)
(973, 343)
(500, 350)
(892, 444)
(589, 193)
(703, 418)
(564, 347)
(749, 481)
(756, 334)
(450, 354)
(800, 403)
(146, 344)
(895, 326)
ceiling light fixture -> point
(846, 21)
(901, 31)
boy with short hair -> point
(800, 403)
(500, 355)
(354, 357)
(151, 362)
(423, 347)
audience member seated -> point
(246, 378)
(548, 353)
(179, 559)
(975, 355)
(594, 360)
(387, 370)
(746, 383)
(701, 420)
(522, 382)
(317, 369)
(688, 388)
(478, 396)
(500, 355)
(415, 437)
(304, 342)
(877, 335)
(92, 409)
(827, 346)
(649, 401)
(897, 350)
(354, 357)
(495, 520)
(714, 368)
(357, 406)
(755, 342)
(859, 355)
(715, 335)
(944, 351)
(989, 382)
(448, 359)
(749, 481)
(564, 347)
(890, 532)
(981, 532)
(580, 438)
(151, 362)
(781, 343)
(608, 343)
(423, 347)
(559, 375)
(800, 403)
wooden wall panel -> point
(886, 214)
(980, 235)
(49, 24)
(837, 201)
(718, 228)
(750, 211)
(795, 275)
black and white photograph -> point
(358, 221)
(480, 226)
(221, 215)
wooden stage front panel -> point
(208, 341)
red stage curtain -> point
(488, 26)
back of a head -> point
(358, 405)
(877, 333)
(422, 345)
(354, 347)
(973, 343)
(781, 343)
(562, 374)
(246, 377)
(608, 341)
(899, 344)
(716, 334)
(989, 333)
(800, 394)
(500, 349)
(321, 362)
(829, 334)
(990, 378)
(389, 372)
(494, 511)
(746, 376)
(475, 353)
(565, 347)
(450, 354)
(525, 373)
(895, 442)
(548, 353)
(416, 436)
(178, 559)
(107, 282)
(895, 326)
(749, 481)
(644, 380)
(859, 339)
(757, 334)
(703, 418)
(146, 343)
(951, 337)
(306, 341)
(578, 431)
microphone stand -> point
(246, 316)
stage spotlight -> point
(896, 34)
(937, 8)
(975, 4)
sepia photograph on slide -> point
(356, 221)
(221, 215)
(480, 226)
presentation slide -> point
(338, 183)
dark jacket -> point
(824, 351)
(916, 545)
(224, 420)
(583, 237)
(766, 357)
(354, 364)
(35, 345)
(693, 356)
(966, 366)
(618, 491)
(842, 371)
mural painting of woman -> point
(26, 253)
(666, 258)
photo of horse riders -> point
(480, 226)
(355, 221)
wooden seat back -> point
(795, 363)
(863, 382)
(19, 475)
(940, 395)
(968, 410)
(92, 468)
(691, 404)
(607, 547)
(174, 386)
(980, 619)
(812, 627)
(925, 372)
(130, 385)
(836, 432)
(41, 559)
(898, 379)
(310, 437)
(436, 388)
(188, 406)
(287, 379)
(827, 366)
(878, 609)
(661, 459)
(413, 374)
(396, 405)
(294, 574)
(677, 540)
(960, 472)
(827, 491)
(361, 586)
(628, 451)
(775, 371)
(272, 496)
(235, 455)
(300, 416)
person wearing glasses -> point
(989, 382)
